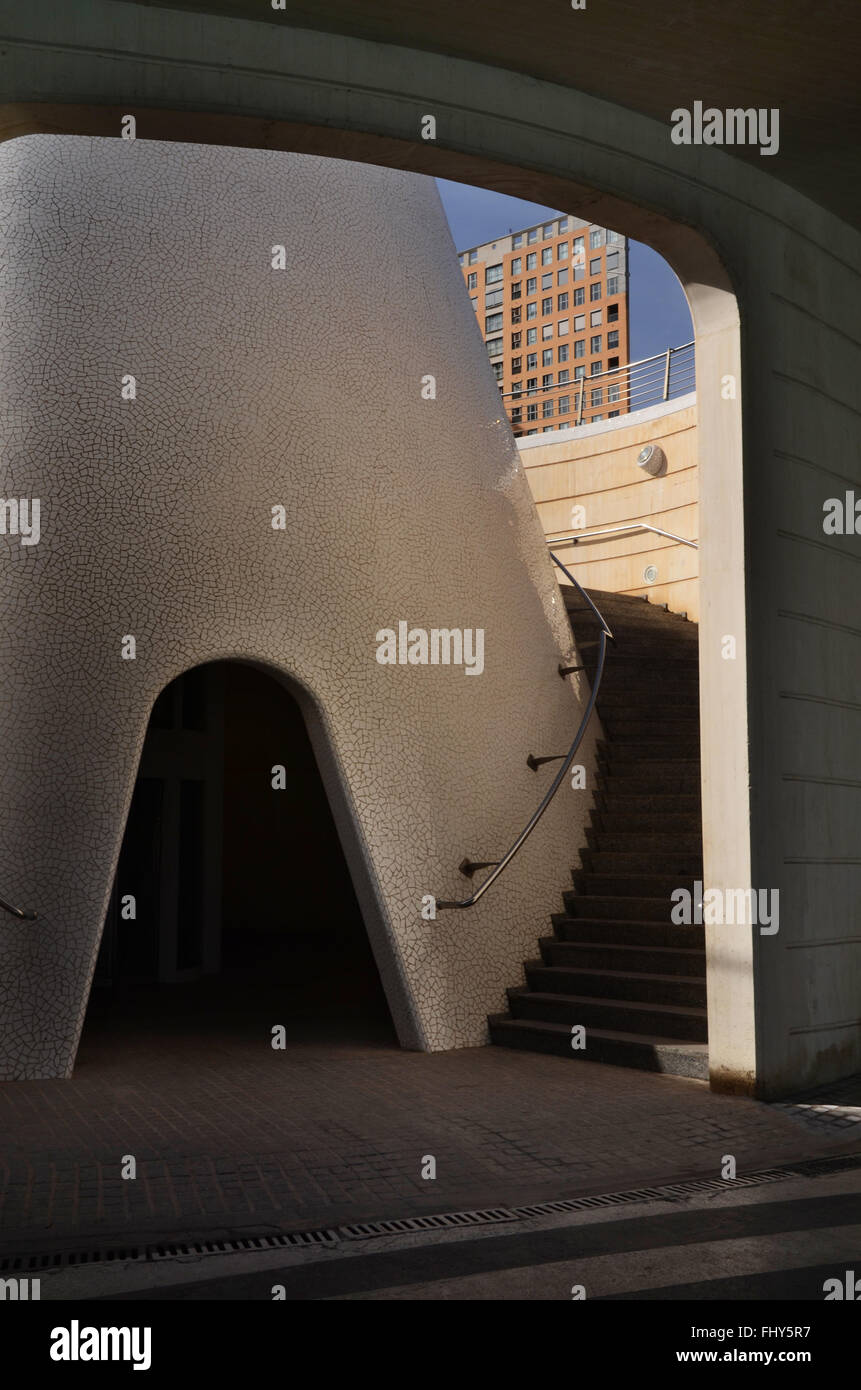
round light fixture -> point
(650, 574)
(652, 459)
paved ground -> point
(231, 1135)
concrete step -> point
(667, 1020)
(669, 749)
(643, 861)
(683, 990)
(618, 801)
(619, 1049)
(604, 885)
(632, 960)
(635, 840)
(617, 909)
(644, 779)
(628, 932)
(650, 829)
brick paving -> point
(231, 1136)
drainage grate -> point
(366, 1230)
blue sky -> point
(659, 314)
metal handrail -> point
(617, 531)
(24, 913)
(499, 866)
(634, 386)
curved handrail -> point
(23, 912)
(503, 863)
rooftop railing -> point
(635, 386)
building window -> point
(531, 261)
(515, 290)
(562, 327)
(472, 280)
(562, 251)
(492, 274)
(549, 229)
(497, 370)
(614, 238)
(532, 310)
(614, 393)
(611, 414)
(532, 235)
(562, 301)
(579, 373)
(531, 384)
(516, 314)
(462, 257)
(548, 429)
(613, 285)
(562, 378)
(596, 238)
(595, 290)
(564, 405)
(547, 409)
(563, 224)
(562, 352)
(580, 347)
(474, 303)
(547, 306)
(516, 414)
(613, 337)
(612, 313)
(547, 255)
(546, 331)
(531, 431)
(547, 361)
(596, 397)
(516, 386)
(491, 300)
(531, 337)
(562, 277)
(516, 265)
(596, 418)
(579, 271)
(494, 347)
(531, 286)
(578, 246)
(612, 260)
(595, 266)
(579, 297)
(517, 240)
(547, 281)
(493, 323)
(595, 343)
(596, 318)
(532, 411)
(547, 380)
(473, 257)
(516, 339)
(580, 323)
(596, 368)
(613, 364)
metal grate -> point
(365, 1229)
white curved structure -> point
(255, 389)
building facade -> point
(552, 304)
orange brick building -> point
(552, 305)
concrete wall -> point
(595, 468)
(774, 287)
(257, 388)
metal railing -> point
(621, 530)
(23, 912)
(498, 866)
(635, 386)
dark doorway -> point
(233, 909)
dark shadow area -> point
(244, 914)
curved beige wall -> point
(595, 468)
(257, 388)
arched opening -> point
(233, 909)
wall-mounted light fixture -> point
(652, 459)
(650, 574)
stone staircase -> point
(615, 963)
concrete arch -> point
(783, 1010)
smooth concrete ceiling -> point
(803, 58)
